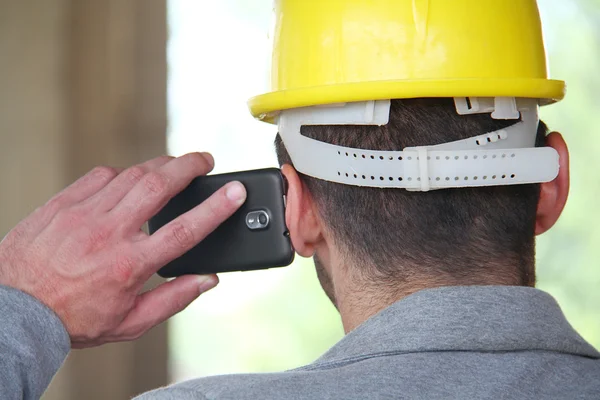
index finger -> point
(157, 187)
(182, 234)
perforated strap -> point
(423, 170)
(492, 159)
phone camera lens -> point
(257, 220)
(262, 219)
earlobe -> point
(553, 195)
(300, 216)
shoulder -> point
(244, 386)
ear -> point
(553, 195)
(300, 215)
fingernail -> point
(209, 158)
(236, 192)
(207, 282)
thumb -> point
(159, 304)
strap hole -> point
(493, 176)
(484, 177)
(346, 154)
(494, 156)
(372, 157)
(381, 157)
(437, 158)
(355, 156)
(364, 177)
(419, 179)
(484, 157)
(475, 157)
(339, 152)
(466, 178)
(475, 178)
(512, 155)
(391, 158)
(437, 179)
(503, 176)
(447, 178)
(391, 179)
(489, 140)
(478, 144)
(456, 157)
(447, 157)
(355, 176)
(503, 155)
(339, 173)
(363, 156)
(456, 178)
(399, 158)
(409, 179)
(381, 178)
(513, 176)
(409, 158)
(346, 175)
(400, 179)
(372, 178)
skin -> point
(355, 297)
(85, 256)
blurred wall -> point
(83, 83)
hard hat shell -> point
(332, 51)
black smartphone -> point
(255, 237)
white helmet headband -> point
(504, 157)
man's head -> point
(392, 238)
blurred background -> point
(115, 82)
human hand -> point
(85, 256)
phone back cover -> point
(233, 246)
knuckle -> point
(54, 204)
(182, 236)
(179, 304)
(215, 207)
(104, 173)
(98, 237)
(156, 182)
(69, 218)
(135, 174)
(165, 159)
(124, 268)
(198, 162)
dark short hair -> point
(466, 234)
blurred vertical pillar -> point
(83, 84)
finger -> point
(158, 305)
(186, 231)
(156, 188)
(111, 194)
(80, 190)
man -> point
(427, 253)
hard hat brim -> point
(266, 106)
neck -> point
(359, 295)
(358, 298)
(357, 302)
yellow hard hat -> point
(334, 51)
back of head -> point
(457, 70)
(481, 235)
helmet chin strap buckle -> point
(498, 107)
